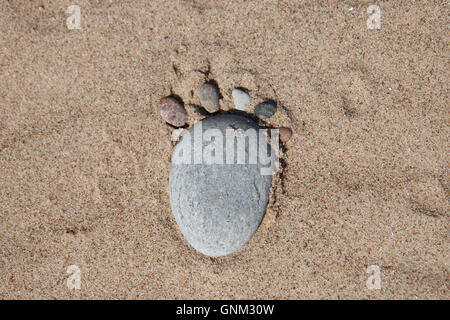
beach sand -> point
(85, 155)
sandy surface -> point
(85, 157)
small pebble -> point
(265, 109)
(209, 97)
(241, 99)
(285, 134)
(173, 112)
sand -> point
(85, 156)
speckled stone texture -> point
(209, 97)
(265, 109)
(218, 207)
(173, 112)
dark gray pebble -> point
(265, 109)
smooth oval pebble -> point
(265, 109)
(173, 112)
(240, 98)
(218, 207)
(209, 97)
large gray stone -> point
(218, 207)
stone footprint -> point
(221, 171)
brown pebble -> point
(285, 134)
(173, 112)
(209, 97)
